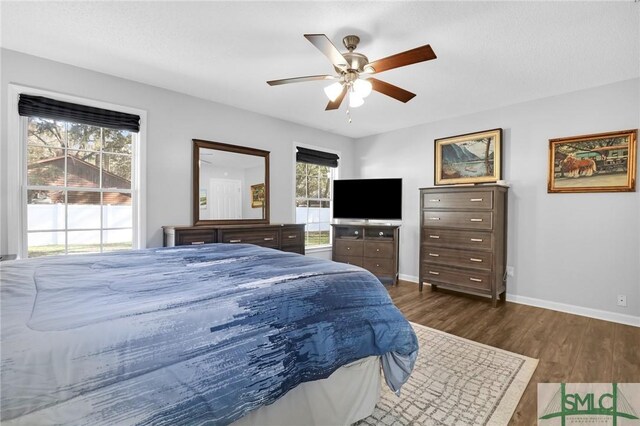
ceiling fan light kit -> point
(354, 71)
(355, 100)
(333, 90)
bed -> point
(213, 334)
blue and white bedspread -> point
(184, 335)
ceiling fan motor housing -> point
(356, 61)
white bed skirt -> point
(348, 395)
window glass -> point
(72, 171)
(313, 198)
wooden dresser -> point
(372, 247)
(463, 239)
(285, 237)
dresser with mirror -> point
(230, 201)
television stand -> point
(369, 245)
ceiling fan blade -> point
(300, 79)
(413, 56)
(390, 90)
(336, 104)
(323, 44)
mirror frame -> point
(197, 145)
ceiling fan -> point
(354, 71)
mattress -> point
(184, 335)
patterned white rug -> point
(456, 382)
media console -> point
(371, 246)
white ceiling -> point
(490, 54)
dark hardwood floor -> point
(570, 348)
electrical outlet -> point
(622, 300)
(511, 271)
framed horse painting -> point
(603, 162)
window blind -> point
(320, 158)
(39, 106)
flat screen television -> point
(371, 199)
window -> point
(78, 188)
(76, 178)
(315, 171)
(313, 197)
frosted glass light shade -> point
(355, 100)
(333, 91)
(362, 87)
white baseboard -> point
(576, 310)
(411, 278)
(561, 307)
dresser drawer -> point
(473, 279)
(481, 240)
(351, 260)
(264, 238)
(458, 200)
(292, 237)
(462, 220)
(452, 257)
(195, 237)
(379, 266)
(378, 249)
(345, 247)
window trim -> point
(323, 247)
(17, 171)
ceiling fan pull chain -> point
(348, 115)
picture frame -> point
(203, 199)
(468, 159)
(257, 195)
(600, 162)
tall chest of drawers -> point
(463, 239)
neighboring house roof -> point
(81, 175)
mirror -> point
(230, 184)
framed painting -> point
(603, 162)
(203, 199)
(470, 158)
(257, 195)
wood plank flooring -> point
(570, 348)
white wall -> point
(173, 120)
(576, 249)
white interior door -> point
(225, 199)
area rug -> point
(456, 382)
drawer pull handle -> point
(434, 254)
(478, 280)
(434, 218)
(434, 200)
(476, 200)
(292, 236)
(378, 265)
(476, 240)
(197, 243)
(348, 248)
(268, 238)
(475, 220)
(235, 241)
(434, 236)
(434, 273)
(377, 250)
(473, 259)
